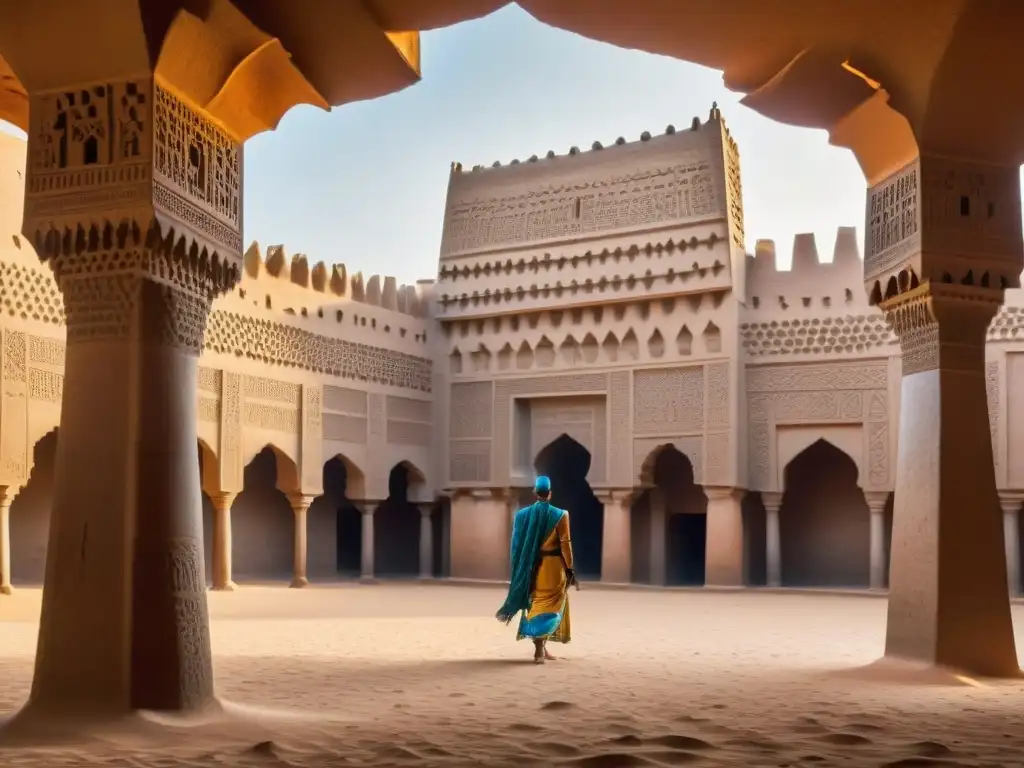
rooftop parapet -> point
(332, 282)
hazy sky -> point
(365, 184)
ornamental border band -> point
(541, 573)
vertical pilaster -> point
(876, 508)
(772, 501)
(222, 565)
(426, 541)
(300, 507)
(1011, 502)
(616, 552)
(723, 563)
(366, 567)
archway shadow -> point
(567, 463)
(824, 523)
(262, 522)
(30, 514)
(397, 527)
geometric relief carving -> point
(793, 378)
(260, 388)
(409, 433)
(717, 388)
(344, 399)
(376, 416)
(209, 409)
(15, 362)
(542, 386)
(668, 401)
(992, 391)
(893, 221)
(469, 461)
(197, 172)
(470, 412)
(209, 380)
(716, 463)
(409, 421)
(618, 448)
(46, 351)
(691, 446)
(45, 386)
(14, 425)
(279, 344)
(817, 394)
(347, 429)
(690, 189)
(270, 417)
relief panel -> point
(470, 423)
(668, 401)
(14, 447)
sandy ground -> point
(403, 675)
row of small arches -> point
(546, 354)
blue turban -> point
(543, 486)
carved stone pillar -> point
(366, 569)
(723, 562)
(616, 552)
(773, 541)
(134, 199)
(426, 541)
(300, 506)
(658, 549)
(1011, 502)
(222, 569)
(7, 494)
(876, 507)
(955, 611)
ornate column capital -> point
(615, 495)
(772, 500)
(1011, 501)
(876, 501)
(721, 493)
(8, 493)
(223, 501)
(426, 508)
(300, 502)
(367, 507)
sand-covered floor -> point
(405, 675)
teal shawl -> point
(532, 526)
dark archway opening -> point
(668, 523)
(397, 528)
(824, 523)
(755, 539)
(567, 463)
(339, 523)
(262, 523)
(30, 515)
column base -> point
(367, 580)
(6, 589)
(229, 587)
(299, 582)
(425, 578)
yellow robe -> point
(550, 596)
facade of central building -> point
(705, 417)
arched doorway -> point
(669, 522)
(262, 521)
(335, 522)
(567, 463)
(824, 523)
(30, 515)
(397, 525)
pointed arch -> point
(30, 513)
(649, 470)
(209, 468)
(355, 477)
(287, 467)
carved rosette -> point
(134, 198)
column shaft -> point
(222, 564)
(300, 508)
(773, 539)
(877, 566)
(7, 495)
(723, 562)
(955, 612)
(366, 568)
(1011, 503)
(426, 541)
(616, 544)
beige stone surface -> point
(415, 675)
